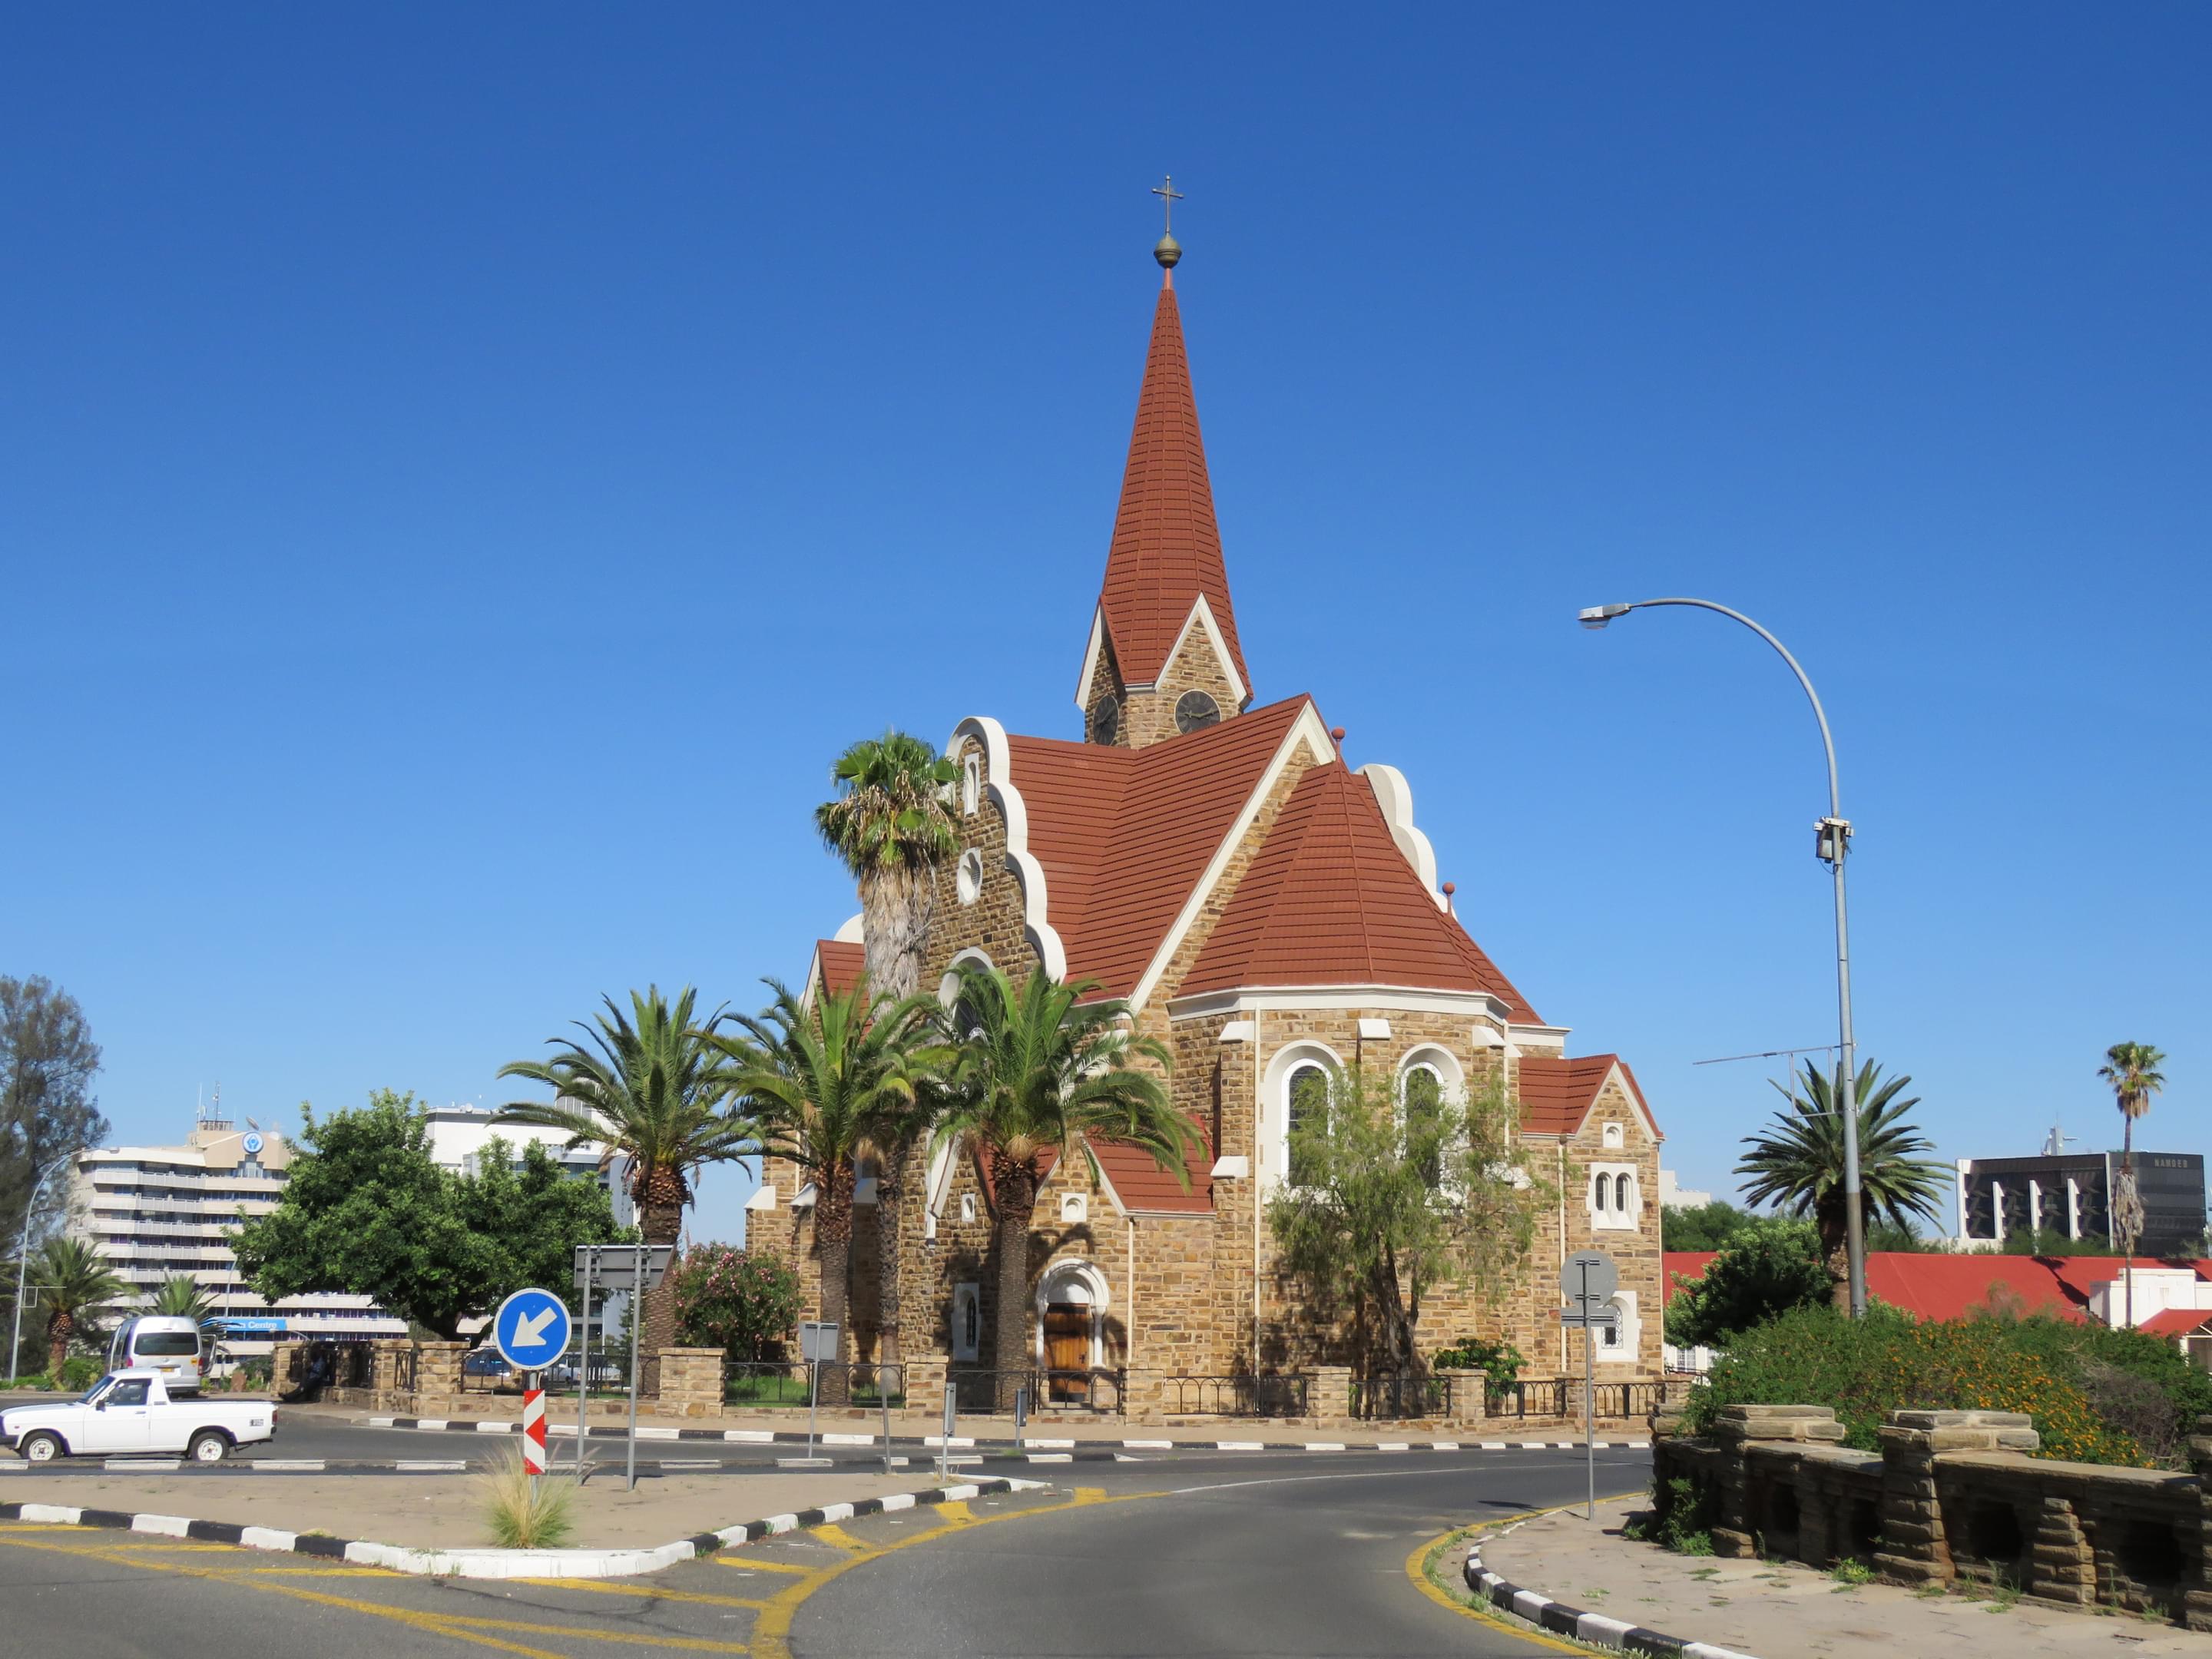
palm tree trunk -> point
(2127, 1212)
(1835, 1251)
(57, 1338)
(890, 1183)
(833, 1238)
(896, 907)
(1016, 1188)
(655, 1328)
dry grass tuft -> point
(520, 1519)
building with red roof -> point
(1268, 912)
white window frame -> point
(1074, 1208)
(967, 877)
(1616, 1137)
(1275, 1139)
(971, 784)
(967, 1331)
(1439, 1063)
(1629, 1332)
(1601, 1197)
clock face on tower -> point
(1106, 720)
(1195, 709)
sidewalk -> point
(1775, 1610)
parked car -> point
(486, 1362)
(133, 1410)
(168, 1343)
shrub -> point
(1768, 1268)
(746, 1305)
(1679, 1518)
(1886, 1362)
(1500, 1360)
(524, 1516)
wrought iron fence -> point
(1562, 1397)
(1527, 1399)
(1385, 1398)
(1266, 1396)
(403, 1370)
(983, 1390)
(791, 1383)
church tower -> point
(1163, 657)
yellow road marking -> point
(1416, 1568)
(650, 1592)
(772, 1630)
(830, 1533)
(764, 1563)
(954, 1514)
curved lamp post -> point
(22, 1263)
(1831, 847)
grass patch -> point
(1849, 1575)
(523, 1515)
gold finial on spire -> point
(1167, 251)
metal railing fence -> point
(789, 1383)
(1264, 1395)
(984, 1390)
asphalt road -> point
(1288, 1554)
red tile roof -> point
(839, 964)
(2175, 1322)
(1557, 1094)
(1125, 834)
(1931, 1284)
(1331, 900)
(1167, 548)
(1141, 1184)
(1688, 1265)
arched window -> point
(1620, 1195)
(1601, 1190)
(1424, 1098)
(1308, 1094)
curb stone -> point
(1560, 1619)
(497, 1563)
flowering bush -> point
(746, 1305)
(1888, 1362)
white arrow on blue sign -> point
(531, 1329)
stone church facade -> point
(1264, 909)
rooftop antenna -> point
(2054, 1145)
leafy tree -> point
(889, 826)
(1768, 1268)
(1701, 1226)
(815, 1078)
(730, 1299)
(1386, 1205)
(179, 1296)
(367, 1212)
(47, 1112)
(1039, 1071)
(73, 1285)
(1798, 1163)
(650, 1085)
(2132, 1070)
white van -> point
(168, 1343)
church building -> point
(1266, 911)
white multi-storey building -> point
(155, 1211)
(459, 1135)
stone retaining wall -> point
(1950, 1496)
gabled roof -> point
(2175, 1322)
(1124, 836)
(1557, 1094)
(1932, 1284)
(1331, 900)
(838, 966)
(1137, 1181)
(1166, 550)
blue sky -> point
(463, 475)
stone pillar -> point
(1735, 1526)
(282, 1358)
(1328, 1393)
(2196, 1581)
(1463, 1391)
(438, 1375)
(924, 1387)
(2062, 1567)
(690, 1383)
(1916, 1551)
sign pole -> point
(1589, 1414)
(813, 1402)
(636, 1319)
(583, 1371)
(533, 1431)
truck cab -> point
(134, 1413)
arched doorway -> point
(1071, 1303)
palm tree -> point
(1798, 1162)
(180, 1296)
(1041, 1071)
(818, 1078)
(72, 1282)
(889, 824)
(2132, 1070)
(650, 1085)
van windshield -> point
(165, 1343)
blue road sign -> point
(531, 1329)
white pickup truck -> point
(132, 1413)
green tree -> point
(365, 1211)
(1767, 1268)
(889, 826)
(816, 1077)
(73, 1284)
(47, 1112)
(1798, 1163)
(1701, 1226)
(1385, 1205)
(731, 1299)
(180, 1296)
(1041, 1071)
(649, 1084)
(2132, 1070)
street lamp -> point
(1831, 845)
(23, 1262)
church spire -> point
(1166, 628)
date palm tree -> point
(888, 823)
(1039, 1071)
(817, 1077)
(649, 1084)
(1797, 1163)
(2132, 1070)
(179, 1296)
(73, 1283)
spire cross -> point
(1169, 196)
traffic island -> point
(434, 1525)
(1565, 1574)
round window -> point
(970, 879)
(1195, 709)
(1106, 720)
